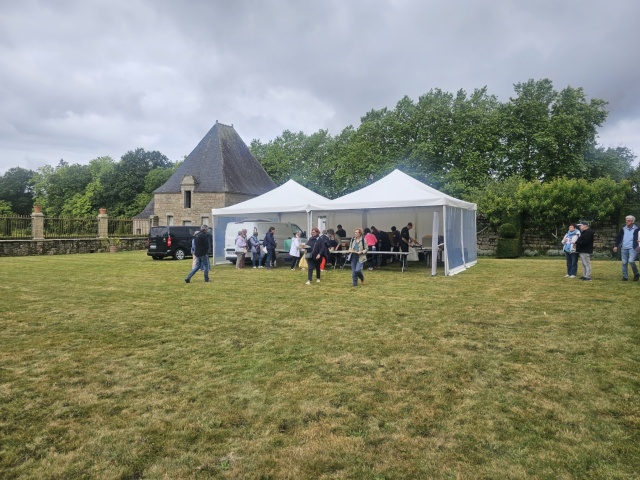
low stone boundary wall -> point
(21, 248)
(532, 241)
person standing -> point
(270, 243)
(569, 248)
(341, 232)
(241, 248)
(315, 252)
(406, 239)
(325, 239)
(584, 248)
(193, 249)
(294, 251)
(358, 256)
(333, 245)
(624, 240)
(202, 254)
(254, 247)
(395, 244)
(371, 241)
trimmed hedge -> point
(508, 248)
(507, 230)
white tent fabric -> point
(399, 192)
(394, 191)
(290, 197)
(394, 196)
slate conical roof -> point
(221, 163)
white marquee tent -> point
(290, 202)
(396, 199)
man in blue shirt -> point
(624, 240)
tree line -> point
(533, 158)
(535, 154)
(124, 187)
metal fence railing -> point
(67, 227)
(122, 227)
(17, 226)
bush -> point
(508, 248)
(507, 230)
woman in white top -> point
(241, 248)
(294, 251)
(358, 256)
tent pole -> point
(445, 252)
(434, 243)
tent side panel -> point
(470, 239)
(453, 239)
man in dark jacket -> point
(201, 253)
(270, 243)
(584, 247)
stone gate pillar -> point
(37, 223)
(103, 224)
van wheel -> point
(179, 254)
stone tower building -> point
(219, 172)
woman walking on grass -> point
(358, 256)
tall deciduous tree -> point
(616, 163)
(546, 133)
(122, 184)
(53, 187)
(16, 190)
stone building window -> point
(187, 187)
(169, 220)
(204, 221)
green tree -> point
(497, 200)
(545, 133)
(16, 190)
(121, 185)
(616, 163)
(53, 187)
(5, 208)
(550, 206)
(154, 179)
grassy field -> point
(112, 367)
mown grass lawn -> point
(112, 367)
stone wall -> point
(201, 205)
(532, 241)
(21, 248)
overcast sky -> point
(80, 79)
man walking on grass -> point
(584, 247)
(202, 254)
(624, 240)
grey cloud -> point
(85, 79)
